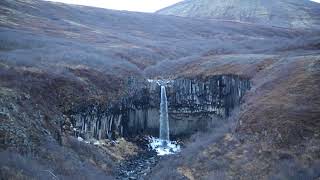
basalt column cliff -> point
(193, 103)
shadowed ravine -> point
(139, 166)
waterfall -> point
(163, 145)
(164, 121)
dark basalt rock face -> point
(194, 104)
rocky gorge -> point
(80, 96)
(194, 104)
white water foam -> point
(163, 147)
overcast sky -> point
(130, 5)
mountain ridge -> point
(285, 13)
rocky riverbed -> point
(138, 166)
(141, 164)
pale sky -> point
(129, 5)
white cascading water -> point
(164, 121)
(163, 145)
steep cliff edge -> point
(194, 104)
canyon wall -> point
(194, 104)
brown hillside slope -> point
(275, 134)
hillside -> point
(281, 13)
(66, 66)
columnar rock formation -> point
(193, 104)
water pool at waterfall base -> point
(153, 149)
(163, 147)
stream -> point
(137, 167)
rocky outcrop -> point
(194, 104)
